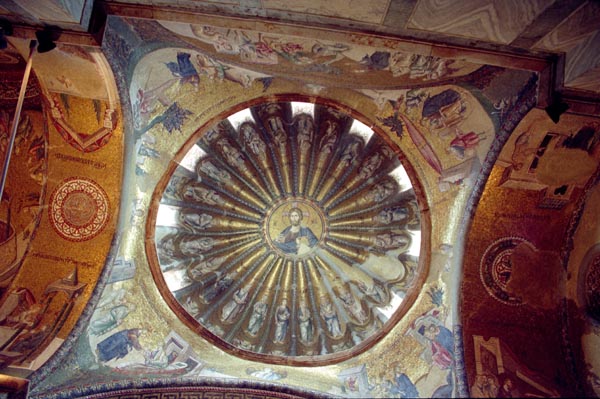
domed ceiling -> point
(327, 201)
(289, 230)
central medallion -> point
(294, 227)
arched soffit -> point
(523, 224)
(57, 192)
(362, 61)
(530, 178)
(84, 82)
(289, 232)
(26, 180)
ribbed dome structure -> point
(288, 230)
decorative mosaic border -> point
(182, 389)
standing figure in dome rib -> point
(259, 312)
(329, 315)
(305, 321)
(295, 236)
(329, 139)
(282, 321)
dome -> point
(287, 231)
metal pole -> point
(15, 122)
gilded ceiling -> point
(204, 203)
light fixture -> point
(46, 40)
(5, 30)
(17, 116)
(556, 108)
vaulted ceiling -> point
(301, 198)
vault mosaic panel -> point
(288, 231)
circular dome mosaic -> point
(288, 230)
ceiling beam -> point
(497, 55)
(546, 22)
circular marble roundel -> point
(79, 209)
(288, 230)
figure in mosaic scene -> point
(329, 315)
(441, 344)
(174, 187)
(290, 239)
(282, 320)
(507, 387)
(277, 131)
(235, 306)
(196, 193)
(402, 386)
(191, 246)
(485, 386)
(305, 131)
(305, 321)
(373, 291)
(167, 249)
(112, 297)
(110, 320)
(370, 165)
(352, 306)
(252, 140)
(205, 266)
(25, 317)
(184, 69)
(350, 154)
(214, 172)
(222, 284)
(463, 145)
(232, 155)
(194, 221)
(149, 100)
(394, 215)
(380, 191)
(390, 241)
(190, 306)
(522, 151)
(119, 344)
(259, 312)
(329, 138)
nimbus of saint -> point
(295, 239)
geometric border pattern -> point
(194, 393)
(184, 388)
